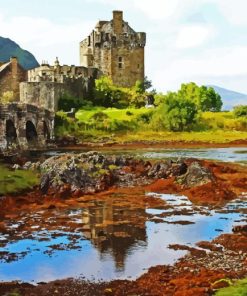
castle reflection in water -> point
(114, 229)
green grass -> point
(213, 127)
(218, 136)
(112, 113)
(223, 120)
(13, 181)
(239, 288)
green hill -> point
(9, 48)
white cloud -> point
(157, 9)
(41, 36)
(223, 66)
(193, 35)
(224, 61)
(233, 10)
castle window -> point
(89, 41)
(120, 62)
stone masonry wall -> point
(11, 77)
(42, 94)
(116, 50)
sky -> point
(204, 41)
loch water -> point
(104, 239)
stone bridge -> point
(25, 126)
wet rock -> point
(167, 169)
(27, 165)
(93, 172)
(44, 183)
(240, 228)
(209, 246)
(16, 167)
(196, 175)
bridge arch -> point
(25, 126)
(31, 133)
(10, 132)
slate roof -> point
(4, 66)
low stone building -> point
(116, 50)
(46, 84)
(11, 74)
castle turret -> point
(56, 63)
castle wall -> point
(42, 94)
(10, 78)
(127, 66)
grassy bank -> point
(16, 181)
(239, 288)
(100, 124)
(187, 137)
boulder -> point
(196, 175)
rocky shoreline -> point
(71, 174)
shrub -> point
(176, 114)
(64, 125)
(240, 111)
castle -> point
(116, 50)
(113, 49)
(29, 99)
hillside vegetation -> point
(191, 114)
(9, 48)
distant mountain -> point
(9, 48)
(230, 98)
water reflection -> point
(114, 229)
(108, 238)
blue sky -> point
(204, 41)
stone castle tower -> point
(116, 50)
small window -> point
(120, 62)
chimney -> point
(14, 63)
(14, 82)
(117, 22)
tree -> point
(108, 95)
(67, 101)
(206, 99)
(143, 86)
(178, 113)
(147, 84)
(213, 101)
